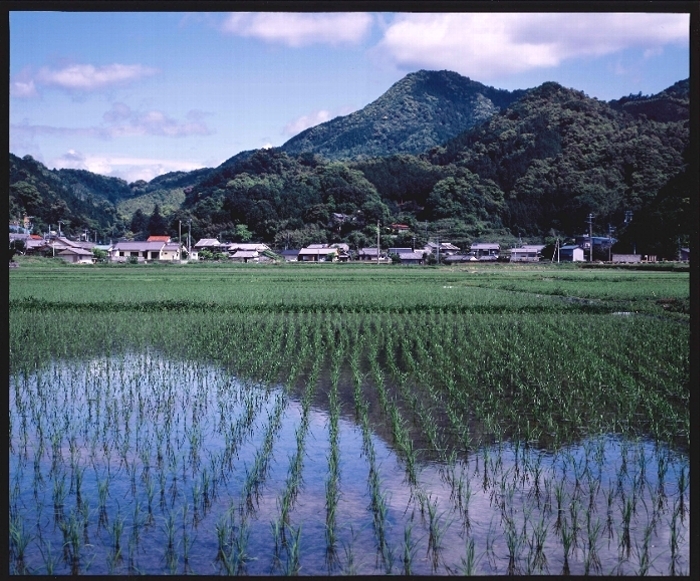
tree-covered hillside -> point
(422, 110)
(85, 201)
(80, 200)
(532, 167)
(558, 155)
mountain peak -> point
(418, 112)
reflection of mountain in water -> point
(164, 435)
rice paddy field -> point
(348, 419)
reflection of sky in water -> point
(179, 404)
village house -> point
(485, 251)
(245, 256)
(76, 256)
(370, 255)
(210, 244)
(290, 255)
(50, 246)
(526, 253)
(144, 251)
(411, 258)
(408, 255)
(444, 249)
(141, 251)
(571, 252)
(172, 251)
(247, 247)
(318, 253)
(458, 258)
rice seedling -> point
(409, 550)
(72, 541)
(19, 541)
(292, 565)
(475, 391)
(625, 542)
(674, 539)
(567, 538)
(48, 558)
(436, 531)
(537, 560)
(591, 560)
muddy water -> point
(175, 445)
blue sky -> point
(136, 95)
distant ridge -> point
(421, 111)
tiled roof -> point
(320, 251)
(78, 251)
(138, 246)
(207, 242)
(411, 256)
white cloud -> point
(306, 121)
(85, 77)
(23, 89)
(300, 29)
(489, 45)
(124, 121)
(129, 168)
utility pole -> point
(628, 219)
(377, 242)
(590, 237)
(610, 231)
(189, 229)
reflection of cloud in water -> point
(217, 405)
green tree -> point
(242, 234)
(139, 222)
(157, 226)
(100, 255)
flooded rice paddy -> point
(143, 464)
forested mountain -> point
(558, 155)
(532, 167)
(422, 110)
(83, 200)
(669, 105)
(80, 200)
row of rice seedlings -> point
(333, 479)
(232, 542)
(236, 433)
(256, 475)
(20, 538)
(420, 361)
(284, 535)
(427, 424)
(399, 431)
(378, 504)
(583, 475)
